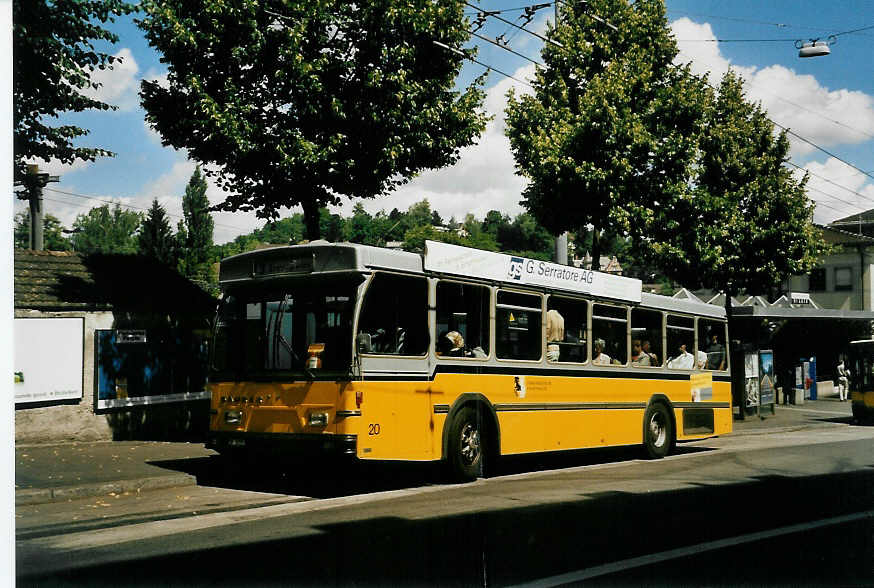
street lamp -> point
(815, 47)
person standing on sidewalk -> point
(843, 380)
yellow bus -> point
(457, 355)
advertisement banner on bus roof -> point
(510, 269)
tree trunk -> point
(311, 220)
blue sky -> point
(829, 101)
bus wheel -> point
(658, 431)
(466, 445)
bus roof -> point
(317, 256)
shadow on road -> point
(322, 478)
(398, 544)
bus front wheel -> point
(466, 445)
(658, 431)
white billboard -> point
(463, 261)
(48, 359)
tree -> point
(194, 233)
(610, 132)
(106, 229)
(359, 227)
(156, 236)
(301, 102)
(53, 232)
(748, 224)
(53, 59)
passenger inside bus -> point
(598, 355)
(638, 357)
(683, 360)
(554, 334)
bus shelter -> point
(795, 336)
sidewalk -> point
(53, 473)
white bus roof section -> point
(513, 270)
(315, 257)
(671, 304)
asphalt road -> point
(794, 508)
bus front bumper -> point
(283, 445)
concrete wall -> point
(71, 420)
(76, 420)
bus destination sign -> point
(510, 269)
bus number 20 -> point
(373, 429)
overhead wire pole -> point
(34, 182)
(560, 253)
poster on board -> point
(767, 385)
(44, 342)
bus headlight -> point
(318, 419)
(233, 417)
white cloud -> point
(795, 101)
(837, 189)
(56, 168)
(119, 85)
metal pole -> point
(34, 181)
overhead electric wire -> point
(129, 206)
(795, 104)
(761, 22)
(788, 131)
(506, 48)
(485, 65)
(488, 13)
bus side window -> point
(566, 330)
(711, 343)
(518, 326)
(609, 334)
(646, 338)
(394, 316)
(680, 349)
(462, 320)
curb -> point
(28, 496)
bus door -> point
(392, 343)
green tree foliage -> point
(194, 233)
(156, 237)
(302, 102)
(610, 131)
(53, 58)
(748, 224)
(106, 229)
(53, 232)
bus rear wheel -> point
(466, 445)
(658, 431)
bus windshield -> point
(273, 331)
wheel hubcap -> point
(470, 444)
(657, 430)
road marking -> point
(654, 558)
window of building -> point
(566, 330)
(518, 326)
(843, 278)
(394, 316)
(816, 280)
(646, 338)
(462, 320)
(680, 337)
(609, 334)
(711, 343)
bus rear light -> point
(318, 419)
(233, 417)
(359, 398)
